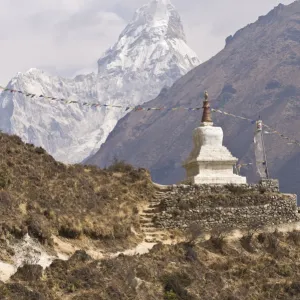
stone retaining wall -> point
(225, 206)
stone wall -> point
(225, 206)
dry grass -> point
(178, 272)
(43, 197)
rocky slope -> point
(151, 53)
(255, 74)
(256, 266)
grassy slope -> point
(261, 267)
(43, 197)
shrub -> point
(5, 200)
(271, 243)
(218, 242)
(261, 237)
(39, 150)
(294, 289)
(105, 193)
(294, 236)
(69, 232)
(175, 285)
(135, 175)
(80, 256)
(114, 293)
(4, 180)
(120, 166)
(121, 231)
(246, 242)
(135, 210)
(194, 231)
(190, 254)
(262, 189)
(38, 227)
(19, 291)
(49, 214)
(284, 270)
(29, 273)
(170, 295)
(16, 139)
(217, 239)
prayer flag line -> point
(140, 108)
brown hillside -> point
(261, 267)
(257, 73)
(43, 197)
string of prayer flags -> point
(140, 108)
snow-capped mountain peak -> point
(157, 18)
(154, 34)
(151, 53)
(155, 13)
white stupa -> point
(210, 162)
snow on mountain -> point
(151, 53)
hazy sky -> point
(66, 37)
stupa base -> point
(233, 179)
